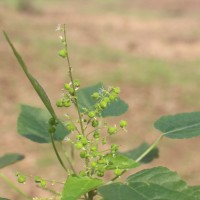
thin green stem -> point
(149, 149)
(72, 81)
(68, 159)
(143, 155)
(57, 154)
(12, 185)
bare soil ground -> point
(101, 35)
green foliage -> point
(33, 124)
(152, 184)
(89, 136)
(76, 186)
(9, 159)
(85, 100)
(135, 153)
(120, 162)
(38, 88)
(180, 126)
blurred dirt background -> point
(151, 49)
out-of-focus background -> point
(151, 49)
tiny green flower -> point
(59, 103)
(67, 86)
(95, 95)
(84, 141)
(93, 164)
(116, 90)
(76, 83)
(83, 154)
(95, 123)
(43, 183)
(100, 173)
(103, 104)
(63, 53)
(67, 103)
(79, 145)
(70, 126)
(96, 135)
(118, 172)
(52, 121)
(21, 178)
(112, 130)
(38, 179)
(123, 123)
(52, 129)
(91, 114)
(71, 91)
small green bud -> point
(95, 95)
(38, 179)
(71, 126)
(79, 137)
(63, 53)
(116, 90)
(104, 141)
(106, 99)
(79, 145)
(101, 161)
(71, 91)
(59, 103)
(112, 96)
(67, 86)
(91, 114)
(82, 173)
(52, 121)
(76, 83)
(43, 183)
(96, 135)
(103, 104)
(93, 164)
(112, 130)
(93, 148)
(52, 129)
(67, 103)
(21, 178)
(95, 123)
(84, 141)
(118, 172)
(83, 154)
(100, 173)
(114, 148)
(123, 123)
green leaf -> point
(38, 88)
(135, 153)
(179, 126)
(76, 186)
(33, 124)
(194, 191)
(1, 198)
(9, 159)
(151, 184)
(115, 108)
(120, 162)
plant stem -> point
(143, 155)
(72, 81)
(12, 185)
(68, 159)
(90, 195)
(149, 149)
(57, 154)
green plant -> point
(89, 134)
